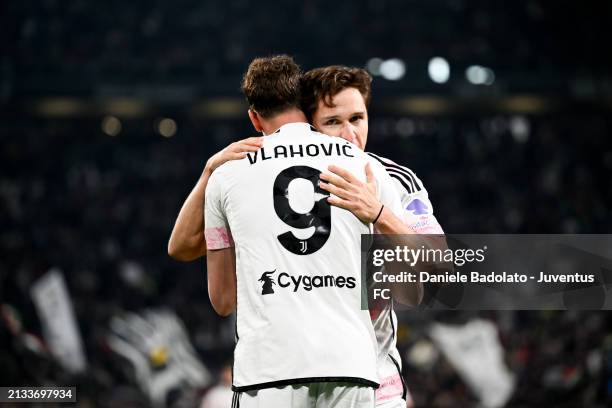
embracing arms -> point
(187, 241)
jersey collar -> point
(296, 125)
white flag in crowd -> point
(157, 346)
(60, 329)
(475, 352)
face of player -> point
(348, 118)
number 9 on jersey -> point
(318, 217)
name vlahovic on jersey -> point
(295, 283)
(300, 150)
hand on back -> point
(235, 151)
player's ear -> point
(255, 120)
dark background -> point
(529, 153)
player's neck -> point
(289, 116)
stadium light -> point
(479, 75)
(166, 127)
(489, 77)
(520, 128)
(111, 126)
(373, 66)
(439, 70)
(393, 69)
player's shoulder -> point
(229, 167)
(404, 175)
(230, 170)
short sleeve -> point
(417, 210)
(387, 194)
(419, 215)
(216, 231)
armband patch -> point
(218, 238)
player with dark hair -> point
(302, 338)
(335, 100)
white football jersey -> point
(417, 210)
(418, 215)
(299, 314)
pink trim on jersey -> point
(431, 229)
(218, 238)
(426, 225)
(390, 387)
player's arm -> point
(187, 241)
(221, 267)
(221, 257)
(410, 294)
(187, 238)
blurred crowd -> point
(82, 45)
(101, 209)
